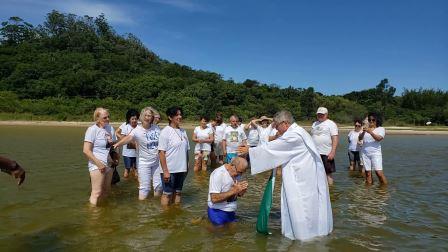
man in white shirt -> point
(234, 137)
(224, 188)
(325, 136)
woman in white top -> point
(97, 142)
(173, 153)
(203, 137)
(371, 148)
(264, 129)
(354, 146)
(147, 137)
(128, 152)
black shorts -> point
(329, 165)
(353, 156)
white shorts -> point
(372, 162)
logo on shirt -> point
(234, 136)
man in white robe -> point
(305, 200)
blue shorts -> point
(219, 217)
(175, 184)
(129, 162)
(229, 157)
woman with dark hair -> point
(173, 152)
(203, 137)
(371, 154)
(128, 152)
(354, 147)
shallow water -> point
(51, 211)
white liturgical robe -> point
(305, 200)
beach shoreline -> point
(391, 130)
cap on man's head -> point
(322, 110)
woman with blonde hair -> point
(97, 142)
(147, 137)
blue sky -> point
(334, 46)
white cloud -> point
(187, 5)
(115, 14)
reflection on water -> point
(51, 210)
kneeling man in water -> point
(224, 189)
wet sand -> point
(391, 130)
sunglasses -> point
(371, 120)
(357, 125)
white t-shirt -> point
(203, 134)
(219, 132)
(125, 130)
(370, 146)
(211, 127)
(234, 138)
(322, 133)
(353, 141)
(264, 134)
(148, 142)
(252, 136)
(175, 143)
(99, 137)
(221, 181)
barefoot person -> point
(305, 200)
(173, 153)
(147, 137)
(371, 154)
(325, 135)
(219, 135)
(224, 189)
(203, 137)
(128, 152)
(97, 142)
(354, 146)
(234, 137)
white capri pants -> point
(372, 161)
(146, 170)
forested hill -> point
(64, 68)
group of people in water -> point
(159, 159)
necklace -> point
(178, 134)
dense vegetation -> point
(67, 66)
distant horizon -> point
(336, 48)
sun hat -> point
(264, 118)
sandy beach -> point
(392, 130)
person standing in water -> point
(371, 154)
(173, 152)
(203, 137)
(128, 152)
(354, 146)
(147, 137)
(97, 142)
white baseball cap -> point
(322, 110)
